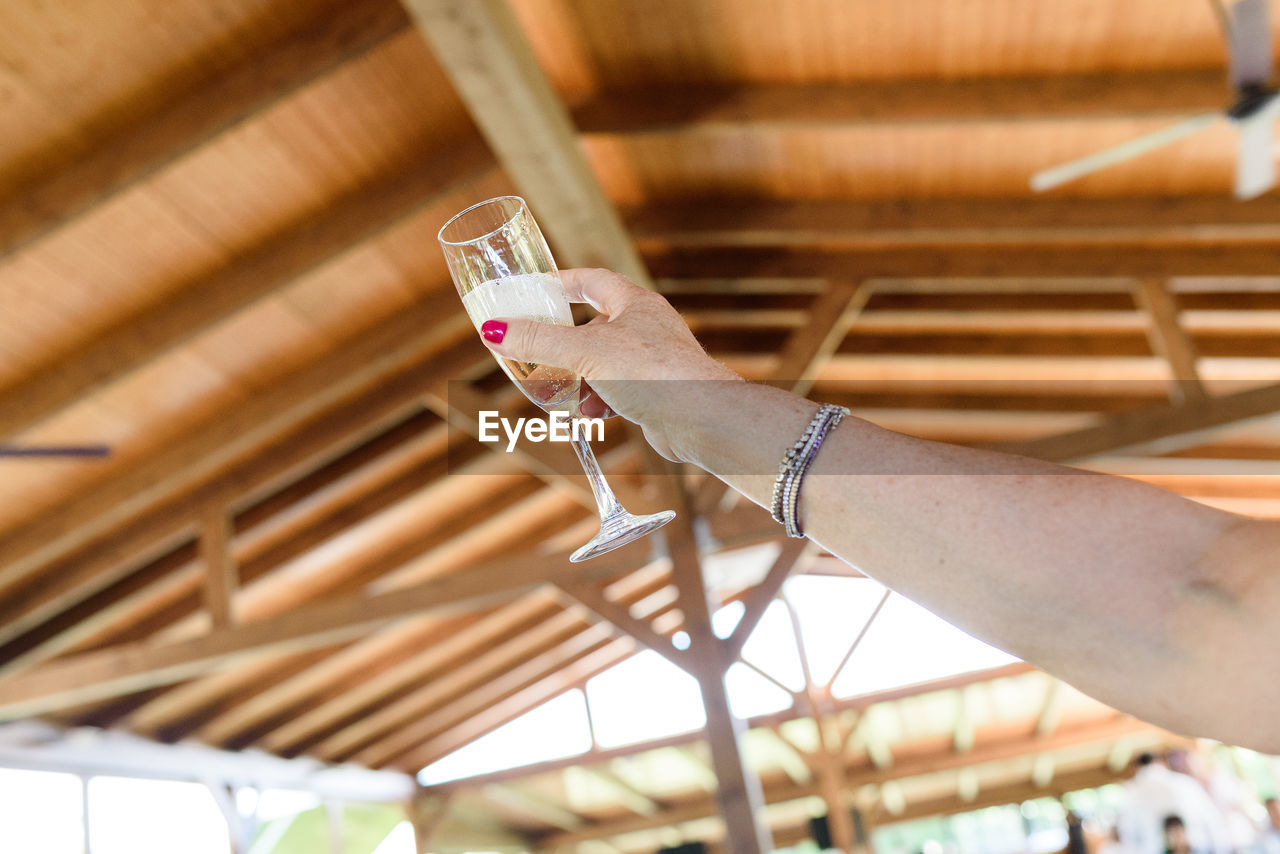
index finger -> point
(604, 290)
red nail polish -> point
(493, 330)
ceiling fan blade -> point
(1051, 178)
(1256, 159)
(1249, 43)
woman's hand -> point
(638, 355)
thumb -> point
(531, 341)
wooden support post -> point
(738, 794)
(1169, 340)
(221, 572)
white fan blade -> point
(1256, 160)
(1050, 178)
(1250, 43)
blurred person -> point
(1175, 836)
(1231, 820)
(1141, 598)
(1156, 792)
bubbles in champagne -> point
(533, 296)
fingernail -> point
(493, 330)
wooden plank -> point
(1011, 264)
(133, 153)
(697, 108)
(196, 306)
(1184, 424)
(136, 667)
(904, 223)
(484, 53)
(1169, 340)
(221, 572)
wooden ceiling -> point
(218, 230)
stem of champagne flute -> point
(605, 500)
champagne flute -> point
(502, 267)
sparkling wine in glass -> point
(502, 267)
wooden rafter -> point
(1169, 340)
(221, 572)
(199, 305)
(406, 339)
(142, 149)
(783, 789)
(902, 223)
(336, 431)
(704, 109)
(133, 668)
(1160, 423)
(951, 261)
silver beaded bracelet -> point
(791, 471)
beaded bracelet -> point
(785, 506)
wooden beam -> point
(1169, 340)
(416, 725)
(771, 720)
(491, 715)
(1009, 793)
(1121, 260)
(1184, 424)
(220, 570)
(196, 306)
(696, 108)
(762, 596)
(628, 795)
(808, 347)
(400, 726)
(166, 525)
(136, 667)
(1051, 709)
(325, 41)
(853, 645)
(522, 800)
(619, 616)
(481, 47)
(408, 338)
(304, 727)
(920, 223)
(782, 790)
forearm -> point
(1070, 571)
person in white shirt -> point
(1154, 794)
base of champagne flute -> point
(617, 531)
